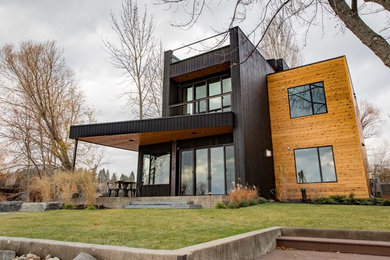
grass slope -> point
(172, 229)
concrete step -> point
(159, 202)
(179, 204)
(364, 247)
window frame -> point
(193, 150)
(319, 163)
(150, 168)
(311, 99)
(195, 103)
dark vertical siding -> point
(166, 81)
(252, 126)
(198, 62)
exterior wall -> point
(252, 130)
(339, 127)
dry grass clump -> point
(62, 185)
(241, 194)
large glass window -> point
(187, 178)
(202, 169)
(156, 169)
(208, 96)
(307, 100)
(211, 168)
(315, 165)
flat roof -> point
(130, 135)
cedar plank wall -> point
(252, 130)
(339, 128)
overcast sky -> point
(79, 26)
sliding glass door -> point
(207, 170)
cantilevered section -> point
(129, 135)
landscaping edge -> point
(245, 246)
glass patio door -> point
(207, 170)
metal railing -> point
(211, 104)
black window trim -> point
(311, 98)
(193, 149)
(195, 101)
(319, 161)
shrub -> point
(90, 207)
(324, 200)
(244, 204)
(243, 193)
(261, 200)
(44, 188)
(233, 205)
(386, 202)
(69, 206)
(339, 198)
(62, 185)
(253, 203)
(221, 205)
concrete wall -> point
(245, 246)
(119, 202)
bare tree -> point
(39, 100)
(380, 162)
(280, 42)
(138, 56)
(369, 118)
(304, 14)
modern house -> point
(229, 116)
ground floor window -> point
(207, 170)
(156, 168)
(315, 165)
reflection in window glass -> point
(230, 177)
(214, 87)
(308, 169)
(327, 164)
(226, 101)
(215, 104)
(300, 104)
(318, 95)
(307, 100)
(217, 170)
(202, 172)
(162, 169)
(200, 91)
(196, 97)
(226, 85)
(315, 165)
(187, 181)
(146, 161)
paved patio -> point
(315, 255)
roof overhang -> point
(129, 135)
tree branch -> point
(358, 27)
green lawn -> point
(172, 229)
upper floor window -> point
(315, 165)
(307, 100)
(207, 96)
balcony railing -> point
(216, 103)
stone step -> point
(163, 206)
(159, 202)
(175, 204)
(365, 247)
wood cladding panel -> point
(339, 127)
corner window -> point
(307, 100)
(156, 169)
(315, 165)
(212, 95)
